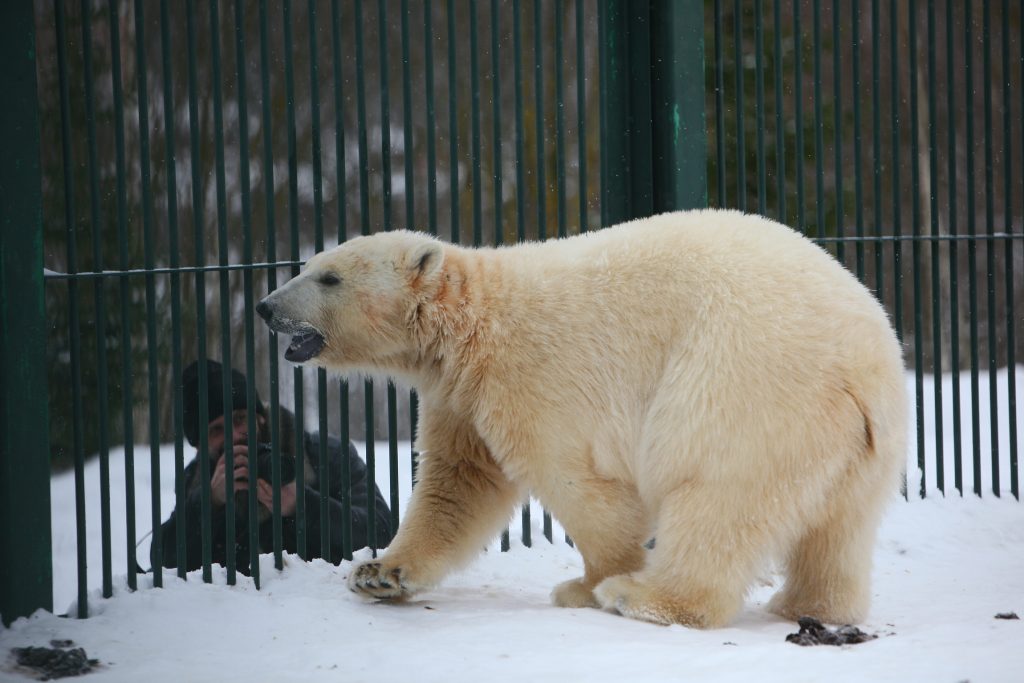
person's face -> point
(216, 435)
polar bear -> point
(710, 379)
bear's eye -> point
(329, 279)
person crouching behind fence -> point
(237, 421)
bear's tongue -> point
(304, 346)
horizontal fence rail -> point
(201, 151)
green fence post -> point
(653, 133)
(25, 585)
(677, 95)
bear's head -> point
(355, 306)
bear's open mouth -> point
(304, 346)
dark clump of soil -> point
(60, 660)
(1007, 615)
(813, 632)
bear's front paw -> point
(381, 580)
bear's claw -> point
(374, 580)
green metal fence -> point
(201, 151)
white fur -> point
(708, 378)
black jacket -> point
(312, 480)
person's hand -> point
(265, 495)
(240, 473)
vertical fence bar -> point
(517, 79)
(453, 124)
(170, 164)
(837, 87)
(1011, 367)
(225, 294)
(741, 153)
(25, 585)
(431, 127)
(312, 29)
(149, 259)
(497, 172)
(252, 445)
(780, 138)
(323, 475)
(972, 249)
(720, 167)
(323, 470)
(127, 376)
(346, 469)
(990, 245)
(858, 156)
(277, 523)
(915, 173)
(393, 454)
(298, 446)
(819, 131)
(560, 122)
(408, 150)
(198, 222)
(385, 114)
(581, 115)
(933, 199)
(1011, 364)
(73, 322)
(371, 467)
(895, 163)
(70, 226)
(474, 119)
(954, 285)
(538, 115)
(526, 527)
(342, 211)
(876, 147)
(759, 115)
(99, 300)
(798, 98)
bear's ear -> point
(425, 259)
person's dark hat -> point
(215, 396)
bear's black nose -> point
(264, 310)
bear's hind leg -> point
(597, 567)
(707, 554)
(604, 518)
(829, 567)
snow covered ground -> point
(944, 567)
